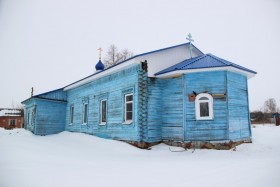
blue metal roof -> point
(135, 57)
(203, 61)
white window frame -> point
(71, 119)
(28, 116)
(101, 112)
(125, 109)
(210, 105)
(84, 121)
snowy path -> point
(74, 159)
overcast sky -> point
(47, 44)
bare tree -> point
(125, 54)
(113, 56)
(270, 106)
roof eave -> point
(99, 75)
(176, 73)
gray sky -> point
(47, 44)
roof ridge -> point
(220, 59)
(191, 62)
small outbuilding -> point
(11, 118)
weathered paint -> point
(205, 130)
(44, 116)
(172, 103)
(112, 88)
(172, 115)
(161, 108)
(238, 112)
(154, 117)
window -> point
(85, 113)
(28, 116)
(128, 108)
(12, 122)
(204, 107)
(103, 109)
(33, 117)
(71, 115)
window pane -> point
(129, 107)
(129, 97)
(203, 98)
(85, 113)
(12, 122)
(71, 114)
(129, 116)
(103, 112)
(204, 109)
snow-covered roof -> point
(9, 112)
(124, 64)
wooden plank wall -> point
(154, 110)
(238, 107)
(49, 117)
(112, 87)
(203, 130)
(172, 109)
(29, 107)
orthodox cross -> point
(100, 50)
(190, 40)
(32, 90)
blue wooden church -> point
(177, 95)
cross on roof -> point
(100, 51)
(190, 46)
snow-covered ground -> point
(80, 160)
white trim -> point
(85, 122)
(71, 116)
(210, 105)
(128, 122)
(103, 74)
(100, 121)
(125, 110)
(228, 68)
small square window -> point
(12, 122)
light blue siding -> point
(238, 107)
(172, 113)
(50, 116)
(44, 116)
(29, 108)
(112, 88)
(204, 130)
(154, 110)
(161, 108)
